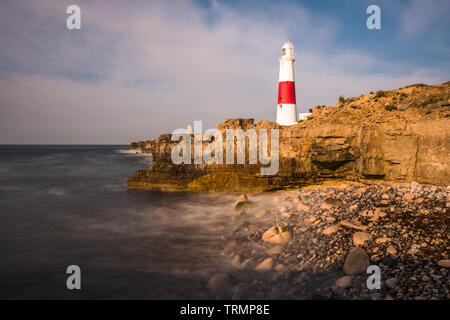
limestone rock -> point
(330, 203)
(331, 229)
(344, 282)
(279, 234)
(351, 225)
(408, 197)
(301, 207)
(364, 143)
(265, 265)
(279, 267)
(444, 263)
(242, 203)
(391, 283)
(237, 260)
(356, 262)
(360, 237)
(242, 198)
(391, 250)
(219, 282)
(382, 240)
(275, 250)
(262, 213)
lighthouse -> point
(286, 108)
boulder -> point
(279, 234)
(356, 262)
(219, 282)
(243, 203)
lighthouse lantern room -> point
(286, 108)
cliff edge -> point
(398, 135)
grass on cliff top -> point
(417, 85)
(381, 93)
(390, 108)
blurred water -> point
(63, 205)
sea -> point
(64, 205)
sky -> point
(139, 68)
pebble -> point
(356, 262)
(391, 283)
(360, 237)
(275, 250)
(344, 282)
(444, 263)
(218, 282)
(279, 267)
(391, 250)
(265, 265)
(237, 260)
(382, 240)
(277, 235)
(350, 225)
(331, 229)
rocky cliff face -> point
(399, 135)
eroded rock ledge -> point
(399, 135)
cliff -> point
(399, 135)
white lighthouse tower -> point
(286, 108)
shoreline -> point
(402, 229)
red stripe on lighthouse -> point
(286, 92)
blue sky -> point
(140, 68)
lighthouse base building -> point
(286, 108)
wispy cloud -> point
(421, 16)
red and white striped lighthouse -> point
(286, 108)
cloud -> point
(420, 16)
(133, 72)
